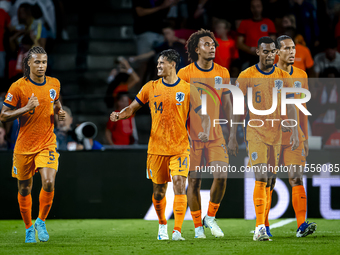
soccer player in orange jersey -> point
(204, 74)
(34, 99)
(294, 159)
(263, 141)
(170, 99)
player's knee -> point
(296, 181)
(221, 181)
(48, 185)
(25, 190)
(195, 183)
(159, 195)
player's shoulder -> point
(299, 73)
(220, 68)
(248, 71)
(186, 68)
(281, 73)
(51, 81)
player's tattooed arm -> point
(291, 113)
(9, 114)
(126, 113)
(205, 120)
(58, 109)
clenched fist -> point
(61, 115)
(114, 116)
(32, 103)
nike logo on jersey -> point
(259, 205)
(50, 162)
(181, 170)
(157, 96)
(257, 85)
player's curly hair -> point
(193, 41)
(33, 50)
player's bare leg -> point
(299, 200)
(261, 180)
(180, 205)
(159, 202)
(217, 192)
(25, 205)
(194, 202)
(269, 191)
(45, 201)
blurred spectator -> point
(3, 142)
(327, 104)
(251, 30)
(43, 9)
(15, 65)
(303, 56)
(121, 79)
(148, 17)
(170, 42)
(4, 23)
(275, 11)
(227, 51)
(334, 138)
(329, 58)
(64, 133)
(25, 24)
(122, 132)
(306, 22)
(337, 34)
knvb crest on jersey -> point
(180, 97)
(218, 81)
(254, 156)
(297, 84)
(278, 84)
(53, 94)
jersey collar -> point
(38, 84)
(270, 72)
(171, 85)
(205, 70)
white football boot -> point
(210, 222)
(163, 232)
(260, 234)
(177, 236)
(199, 232)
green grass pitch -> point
(139, 237)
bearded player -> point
(34, 99)
(204, 74)
(263, 142)
(170, 99)
(294, 159)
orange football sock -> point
(160, 209)
(45, 203)
(268, 205)
(299, 203)
(180, 207)
(260, 202)
(197, 218)
(25, 205)
(212, 209)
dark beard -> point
(268, 66)
(209, 59)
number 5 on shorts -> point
(184, 163)
(52, 157)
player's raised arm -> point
(127, 112)
(9, 113)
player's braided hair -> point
(193, 40)
(25, 66)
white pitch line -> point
(279, 224)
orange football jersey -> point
(204, 81)
(36, 127)
(169, 106)
(262, 84)
(300, 80)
